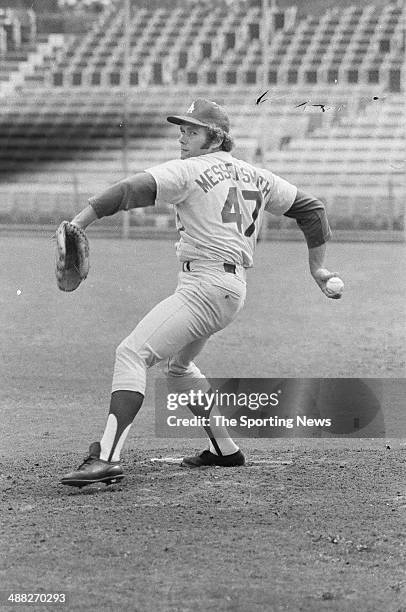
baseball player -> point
(219, 203)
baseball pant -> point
(206, 300)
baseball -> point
(335, 285)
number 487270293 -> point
(231, 212)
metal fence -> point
(36, 204)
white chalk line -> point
(178, 460)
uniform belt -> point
(231, 268)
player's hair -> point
(214, 133)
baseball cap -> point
(204, 113)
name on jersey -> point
(222, 171)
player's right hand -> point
(321, 276)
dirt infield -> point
(311, 530)
(307, 525)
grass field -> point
(308, 525)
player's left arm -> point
(137, 191)
(310, 215)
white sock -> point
(107, 441)
(227, 446)
(225, 442)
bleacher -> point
(23, 50)
(218, 43)
(332, 122)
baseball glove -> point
(72, 256)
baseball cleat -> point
(207, 458)
(94, 470)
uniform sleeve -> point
(281, 194)
(136, 191)
(311, 217)
(172, 181)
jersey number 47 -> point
(231, 212)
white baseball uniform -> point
(219, 203)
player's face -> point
(192, 141)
